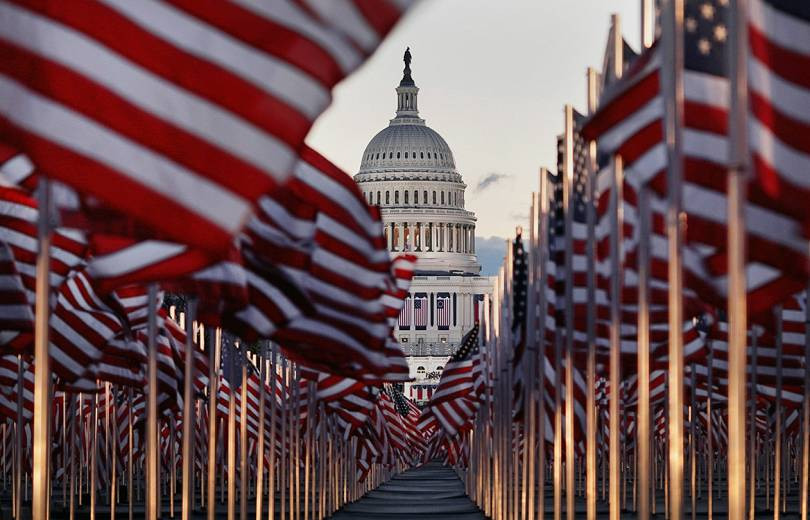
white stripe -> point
(277, 77)
(85, 137)
(614, 138)
(343, 15)
(132, 258)
(791, 163)
(707, 89)
(788, 98)
(16, 169)
(148, 91)
(292, 17)
(780, 28)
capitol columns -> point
(430, 237)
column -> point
(401, 239)
(441, 241)
(472, 239)
(418, 237)
(430, 236)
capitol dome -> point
(408, 170)
(408, 145)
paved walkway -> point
(429, 492)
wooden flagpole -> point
(643, 431)
(42, 375)
(152, 444)
(616, 225)
(590, 369)
(709, 433)
(752, 427)
(568, 189)
(130, 461)
(260, 441)
(18, 439)
(231, 434)
(189, 374)
(271, 491)
(93, 453)
(213, 396)
(672, 84)
(737, 310)
(803, 505)
(542, 259)
(777, 459)
(243, 438)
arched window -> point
(406, 155)
(434, 196)
(396, 197)
(378, 198)
(406, 196)
(424, 196)
(415, 197)
(397, 155)
(428, 155)
(387, 197)
(421, 155)
(378, 155)
(439, 368)
(420, 370)
(442, 198)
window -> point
(378, 155)
(406, 196)
(378, 198)
(443, 339)
(415, 197)
(396, 197)
(421, 155)
(424, 196)
(420, 370)
(442, 198)
(406, 155)
(434, 197)
(403, 339)
(439, 368)
(428, 155)
(397, 155)
(387, 198)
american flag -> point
(519, 294)
(452, 403)
(779, 97)
(629, 122)
(443, 311)
(170, 110)
(420, 311)
(405, 314)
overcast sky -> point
(493, 79)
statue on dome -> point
(407, 57)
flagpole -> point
(231, 435)
(188, 413)
(18, 438)
(590, 405)
(737, 311)
(93, 453)
(568, 188)
(152, 445)
(643, 356)
(709, 433)
(777, 459)
(752, 428)
(42, 374)
(271, 491)
(532, 344)
(672, 83)
(130, 462)
(285, 406)
(616, 226)
(806, 410)
(243, 420)
(542, 259)
(260, 440)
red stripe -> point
(786, 63)
(622, 106)
(114, 112)
(119, 191)
(790, 131)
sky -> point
(494, 76)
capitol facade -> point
(408, 171)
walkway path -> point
(431, 492)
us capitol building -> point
(408, 171)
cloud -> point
(489, 180)
(491, 252)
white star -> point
(707, 11)
(720, 33)
(691, 24)
(704, 46)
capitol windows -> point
(442, 198)
(406, 155)
(378, 198)
(424, 197)
(420, 370)
(406, 196)
(415, 197)
(434, 195)
(397, 155)
(378, 155)
(387, 197)
(421, 155)
(428, 155)
(439, 368)
(396, 197)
